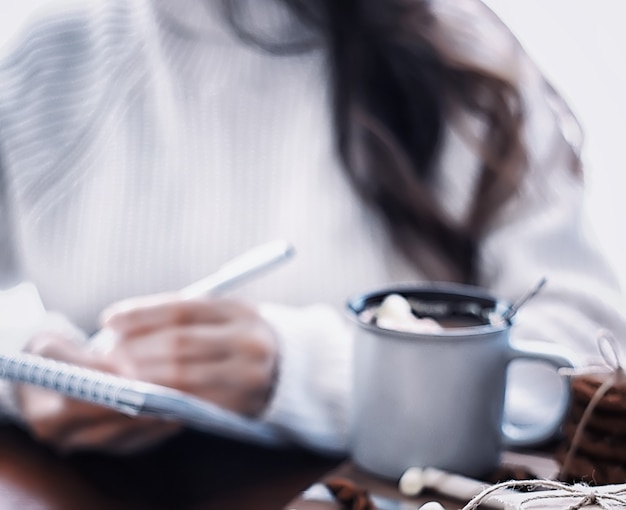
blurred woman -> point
(144, 143)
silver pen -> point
(238, 270)
(241, 268)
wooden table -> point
(515, 465)
(190, 472)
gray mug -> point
(437, 399)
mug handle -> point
(559, 357)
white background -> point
(580, 45)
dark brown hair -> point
(393, 94)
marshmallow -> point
(395, 313)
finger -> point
(68, 424)
(176, 344)
(67, 351)
(165, 355)
(171, 310)
(140, 302)
(50, 415)
(121, 435)
(233, 383)
(244, 390)
(52, 345)
(249, 336)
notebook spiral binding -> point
(72, 381)
(133, 397)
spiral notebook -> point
(134, 398)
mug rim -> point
(358, 303)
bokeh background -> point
(580, 45)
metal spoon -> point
(532, 292)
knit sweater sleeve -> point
(312, 395)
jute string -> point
(583, 495)
(609, 350)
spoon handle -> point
(532, 292)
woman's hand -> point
(69, 425)
(220, 350)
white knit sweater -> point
(142, 144)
